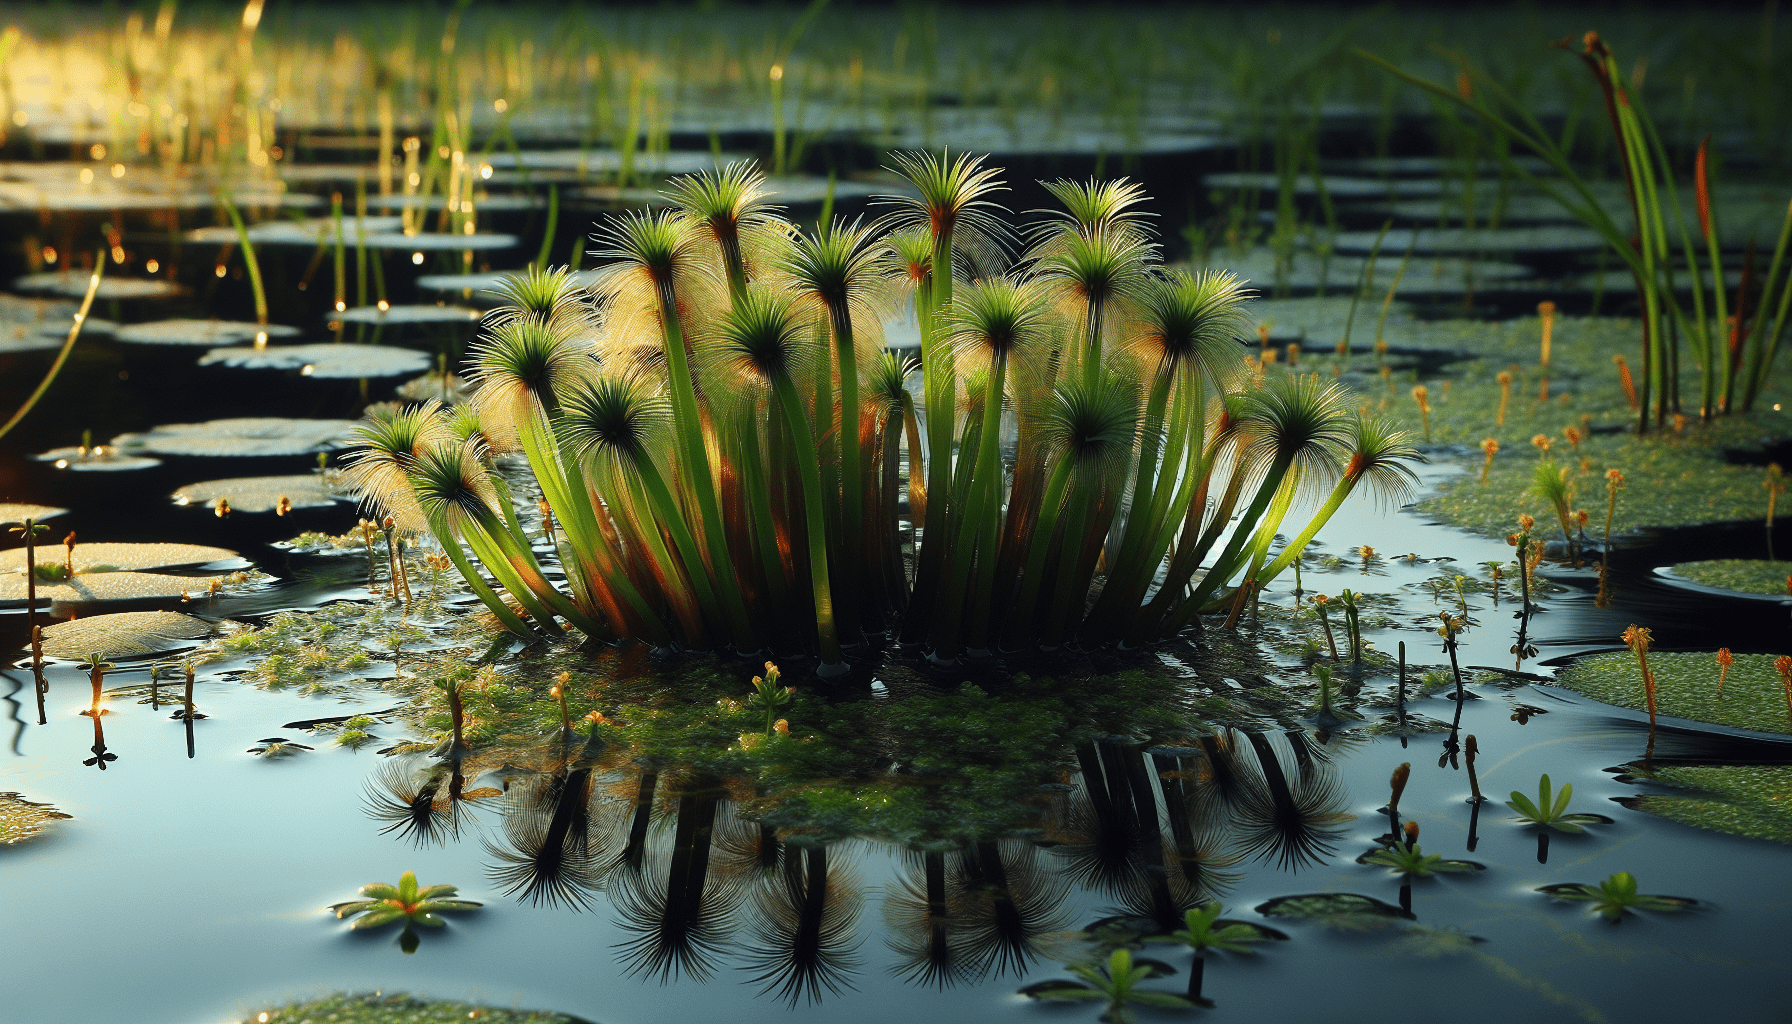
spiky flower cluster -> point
(720, 435)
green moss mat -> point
(1741, 800)
(1749, 576)
(1686, 687)
(1675, 477)
(398, 1008)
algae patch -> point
(1686, 687)
(1741, 800)
(1744, 575)
(399, 1008)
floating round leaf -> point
(331, 361)
(18, 512)
(118, 555)
(58, 283)
(1343, 909)
(248, 436)
(417, 314)
(259, 493)
(124, 634)
(200, 332)
(437, 241)
(99, 458)
(87, 589)
(23, 820)
(315, 231)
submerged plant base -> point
(399, 1008)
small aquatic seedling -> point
(561, 684)
(1783, 664)
(1116, 983)
(276, 747)
(1397, 784)
(1471, 750)
(1353, 629)
(386, 904)
(96, 666)
(1616, 897)
(1491, 447)
(1546, 311)
(1324, 674)
(1408, 860)
(1422, 395)
(1550, 812)
(1202, 930)
(1724, 660)
(1505, 379)
(29, 529)
(1625, 379)
(1638, 640)
(771, 698)
(1555, 485)
(1320, 603)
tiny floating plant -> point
(386, 904)
(1409, 861)
(1115, 983)
(1552, 813)
(1617, 897)
(1203, 930)
(276, 747)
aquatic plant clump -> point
(721, 442)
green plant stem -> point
(74, 332)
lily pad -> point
(489, 280)
(259, 493)
(413, 314)
(116, 555)
(23, 820)
(313, 231)
(327, 360)
(437, 241)
(89, 589)
(1743, 575)
(398, 1008)
(125, 634)
(200, 332)
(56, 282)
(18, 512)
(100, 458)
(1686, 687)
(244, 437)
(1338, 909)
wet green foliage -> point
(1748, 575)
(1616, 897)
(1686, 687)
(1742, 800)
(1551, 811)
(1414, 862)
(1683, 472)
(386, 904)
(399, 1008)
